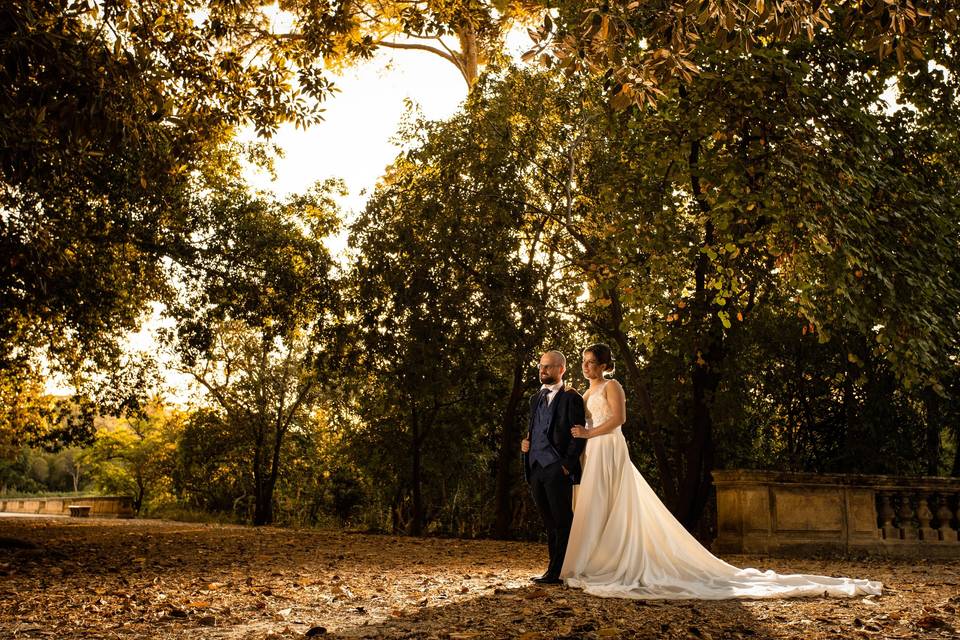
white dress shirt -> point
(554, 388)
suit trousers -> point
(553, 494)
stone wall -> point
(802, 513)
(100, 506)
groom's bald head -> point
(553, 364)
(557, 358)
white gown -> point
(624, 543)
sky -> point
(352, 143)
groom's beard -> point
(546, 378)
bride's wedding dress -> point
(625, 543)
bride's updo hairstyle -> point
(604, 357)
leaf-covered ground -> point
(78, 578)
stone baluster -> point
(886, 514)
(905, 518)
(945, 520)
(924, 517)
(956, 513)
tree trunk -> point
(695, 488)
(932, 448)
(75, 475)
(695, 485)
(469, 57)
(271, 481)
(262, 498)
(138, 501)
(416, 476)
(955, 472)
(507, 457)
(696, 481)
(263, 504)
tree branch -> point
(422, 47)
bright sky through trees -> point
(353, 143)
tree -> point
(256, 320)
(421, 25)
(114, 119)
(727, 209)
(262, 388)
(644, 49)
(72, 463)
(134, 455)
(463, 215)
(212, 471)
(29, 416)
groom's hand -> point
(525, 445)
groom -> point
(551, 457)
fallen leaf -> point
(931, 622)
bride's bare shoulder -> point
(612, 385)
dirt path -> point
(167, 580)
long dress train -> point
(625, 543)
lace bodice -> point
(598, 409)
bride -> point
(625, 543)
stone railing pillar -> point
(780, 512)
(887, 514)
(905, 518)
(944, 519)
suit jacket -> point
(566, 411)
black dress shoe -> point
(546, 579)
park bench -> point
(79, 510)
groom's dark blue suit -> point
(552, 466)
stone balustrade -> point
(100, 506)
(802, 513)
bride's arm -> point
(618, 410)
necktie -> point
(543, 396)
